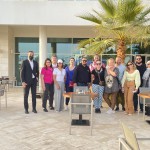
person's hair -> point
(138, 56)
(71, 58)
(84, 57)
(54, 55)
(119, 57)
(148, 62)
(47, 59)
(96, 55)
(127, 68)
(30, 51)
(110, 60)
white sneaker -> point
(66, 108)
(109, 111)
(130, 114)
(113, 111)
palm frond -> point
(91, 18)
(85, 42)
(109, 7)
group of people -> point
(115, 82)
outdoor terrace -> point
(50, 131)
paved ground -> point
(49, 131)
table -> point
(80, 121)
(69, 94)
(143, 95)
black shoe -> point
(97, 110)
(51, 108)
(123, 108)
(34, 110)
(45, 110)
(26, 112)
(117, 109)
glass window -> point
(22, 46)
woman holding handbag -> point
(69, 75)
(130, 84)
(98, 83)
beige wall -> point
(6, 51)
(3, 51)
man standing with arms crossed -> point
(82, 74)
(29, 78)
(141, 68)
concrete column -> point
(42, 49)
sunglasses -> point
(138, 59)
(129, 64)
(84, 60)
(148, 64)
(98, 64)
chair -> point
(147, 100)
(80, 88)
(81, 104)
(1, 94)
(12, 82)
(130, 142)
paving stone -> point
(50, 131)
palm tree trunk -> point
(121, 50)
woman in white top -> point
(59, 76)
(130, 84)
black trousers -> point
(135, 100)
(32, 85)
(120, 98)
(48, 94)
(68, 89)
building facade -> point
(44, 26)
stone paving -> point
(50, 131)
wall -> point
(44, 13)
(4, 51)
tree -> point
(118, 22)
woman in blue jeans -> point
(97, 76)
(69, 75)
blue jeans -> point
(98, 90)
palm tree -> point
(118, 22)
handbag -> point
(71, 83)
(101, 83)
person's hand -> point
(135, 91)
(122, 89)
(108, 71)
(24, 84)
(75, 84)
(57, 86)
(43, 87)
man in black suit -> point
(29, 78)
